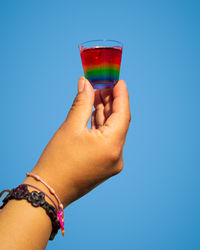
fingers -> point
(93, 120)
(120, 117)
(112, 107)
(107, 98)
(103, 105)
(99, 106)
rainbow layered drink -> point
(101, 64)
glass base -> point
(103, 86)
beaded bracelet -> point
(51, 190)
(60, 213)
(36, 199)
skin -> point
(75, 161)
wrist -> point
(63, 189)
(37, 186)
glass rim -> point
(101, 40)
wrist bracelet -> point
(51, 190)
(60, 213)
(37, 199)
(30, 185)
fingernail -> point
(81, 84)
(87, 86)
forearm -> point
(29, 226)
(23, 226)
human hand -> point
(77, 159)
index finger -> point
(121, 116)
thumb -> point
(81, 109)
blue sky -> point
(154, 203)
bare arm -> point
(75, 161)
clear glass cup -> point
(101, 60)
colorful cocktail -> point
(101, 64)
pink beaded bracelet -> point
(60, 211)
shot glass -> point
(101, 60)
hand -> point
(77, 159)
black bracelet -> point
(37, 199)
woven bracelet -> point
(37, 199)
(60, 209)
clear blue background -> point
(154, 204)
